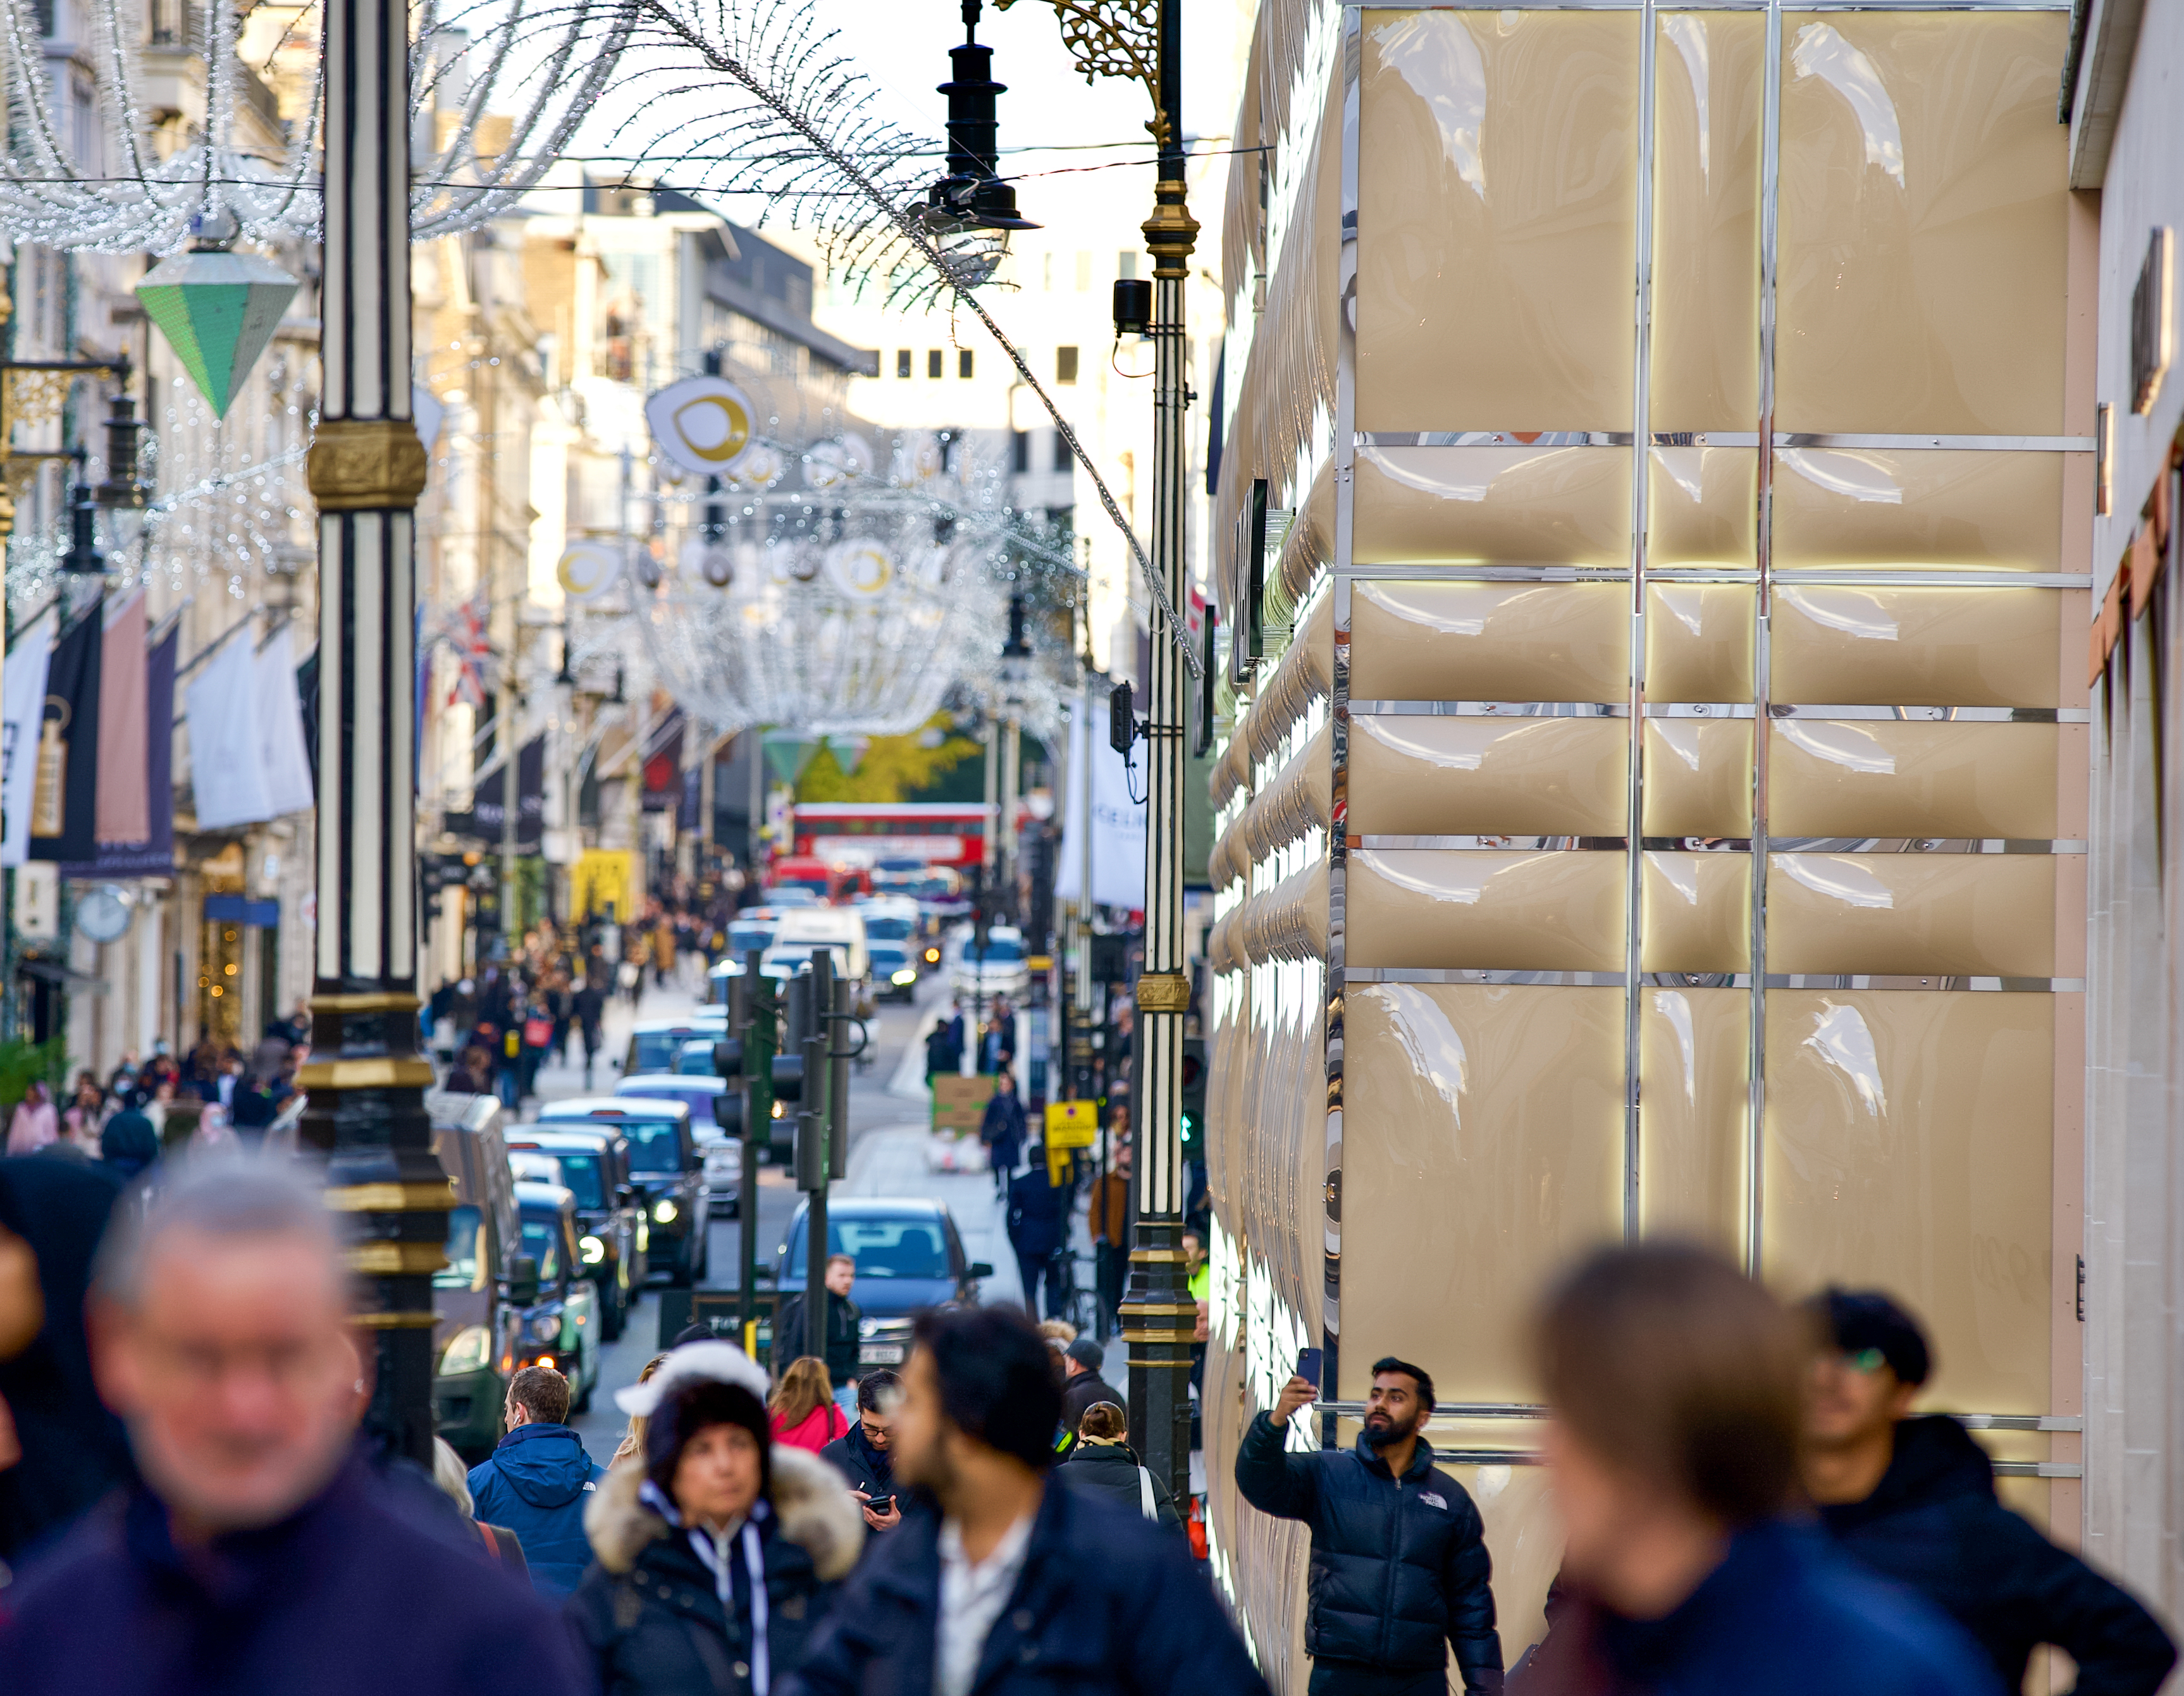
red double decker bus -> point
(948, 833)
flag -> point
(1116, 820)
(123, 813)
(286, 763)
(22, 700)
(227, 748)
(64, 794)
(466, 633)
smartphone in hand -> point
(881, 1504)
(1311, 1363)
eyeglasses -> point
(1866, 1360)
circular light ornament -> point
(832, 464)
(702, 424)
(587, 569)
(761, 466)
(711, 561)
(860, 570)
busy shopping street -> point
(1091, 848)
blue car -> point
(908, 1257)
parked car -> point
(559, 1305)
(909, 1256)
(475, 1325)
(666, 1170)
(1000, 969)
(655, 1043)
(591, 1163)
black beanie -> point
(688, 1410)
(1856, 1320)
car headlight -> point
(933, 956)
(467, 1351)
(664, 1212)
(593, 1250)
(906, 976)
(545, 1327)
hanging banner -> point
(286, 763)
(65, 796)
(227, 748)
(485, 821)
(154, 857)
(22, 702)
(702, 424)
(603, 884)
(1115, 820)
(124, 809)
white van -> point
(803, 929)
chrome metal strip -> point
(2029, 845)
(1919, 577)
(1508, 844)
(1696, 844)
(1486, 975)
(1641, 388)
(1458, 571)
(1937, 984)
(2021, 1421)
(1448, 1412)
(1699, 709)
(1695, 980)
(1959, 444)
(1704, 438)
(1971, 715)
(1496, 438)
(1491, 710)
(1702, 574)
(2034, 1469)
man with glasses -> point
(1912, 1497)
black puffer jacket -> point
(862, 1466)
(1400, 1571)
(648, 1611)
(1111, 1469)
(1933, 1525)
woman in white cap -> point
(716, 1550)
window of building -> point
(1065, 364)
(933, 362)
(1063, 460)
(1126, 263)
(965, 363)
(902, 362)
(1020, 451)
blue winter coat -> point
(537, 1483)
(345, 1597)
(1785, 1613)
(1933, 1525)
(1108, 1603)
(1400, 1571)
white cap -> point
(694, 1362)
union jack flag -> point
(466, 633)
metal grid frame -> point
(1346, 569)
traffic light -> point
(1194, 1097)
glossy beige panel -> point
(1954, 915)
(1554, 506)
(1482, 1148)
(1871, 507)
(1907, 1148)
(1698, 642)
(1702, 506)
(1698, 777)
(1923, 223)
(1497, 220)
(1941, 648)
(1695, 914)
(1694, 1095)
(1527, 777)
(1709, 67)
(1830, 778)
(1490, 641)
(1519, 912)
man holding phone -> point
(1383, 1505)
(864, 1455)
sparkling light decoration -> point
(137, 186)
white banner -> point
(227, 742)
(1118, 824)
(280, 726)
(22, 707)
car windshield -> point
(541, 1242)
(465, 1251)
(888, 954)
(908, 1247)
(654, 1145)
(696, 1060)
(998, 949)
(888, 929)
(810, 886)
(654, 1051)
(743, 938)
(580, 1174)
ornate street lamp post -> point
(1143, 40)
(365, 1079)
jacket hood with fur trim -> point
(815, 1507)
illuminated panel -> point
(1694, 1075)
(1927, 510)
(1698, 642)
(1702, 506)
(1551, 506)
(1490, 641)
(1698, 778)
(1943, 647)
(1838, 778)
(1528, 912)
(1498, 202)
(1482, 1148)
(1908, 1147)
(1958, 914)
(1440, 776)
(1696, 912)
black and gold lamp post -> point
(1142, 40)
(365, 1078)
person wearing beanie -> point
(1912, 1496)
(716, 1552)
(1083, 1386)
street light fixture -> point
(973, 195)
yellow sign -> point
(1072, 1124)
(603, 878)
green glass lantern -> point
(217, 309)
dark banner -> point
(155, 856)
(663, 767)
(484, 820)
(65, 803)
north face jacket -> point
(538, 1483)
(1400, 1572)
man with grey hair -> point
(257, 1555)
